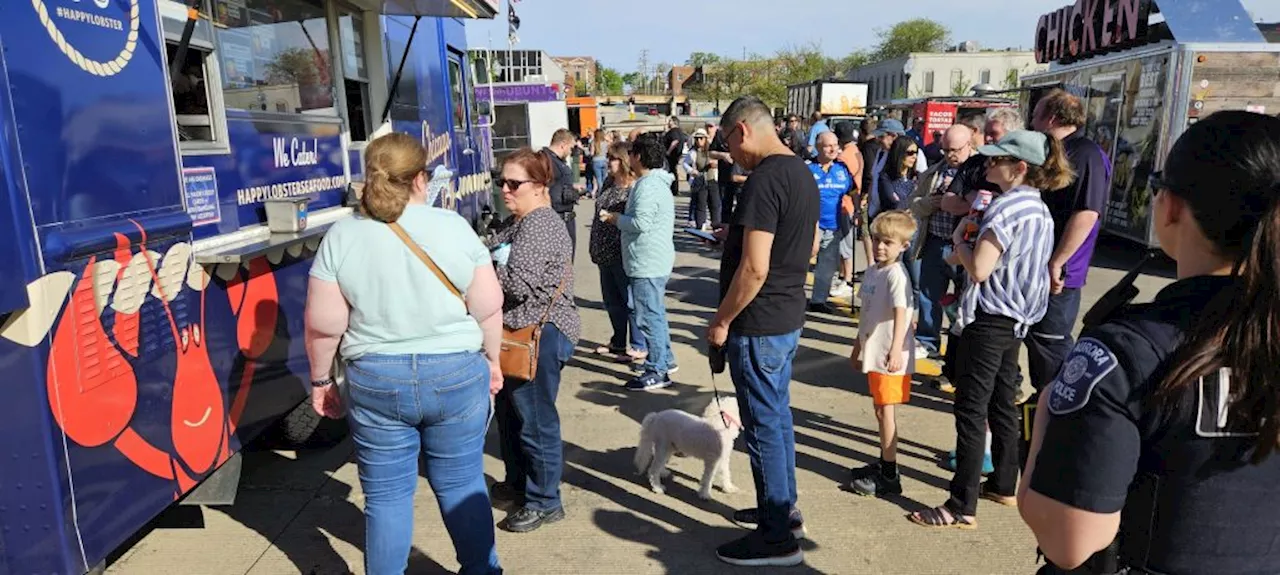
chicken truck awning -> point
(485, 9)
(1220, 21)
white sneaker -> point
(922, 352)
(842, 291)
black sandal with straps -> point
(941, 517)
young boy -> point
(882, 350)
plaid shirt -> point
(942, 223)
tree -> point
(294, 66)
(703, 59)
(915, 35)
(856, 59)
(609, 80)
(634, 79)
(961, 87)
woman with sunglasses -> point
(1162, 425)
(1007, 292)
(606, 252)
(535, 267)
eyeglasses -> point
(1156, 182)
(913, 150)
(513, 185)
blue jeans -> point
(828, 264)
(600, 167)
(650, 297)
(761, 370)
(529, 425)
(913, 266)
(436, 407)
(615, 287)
(936, 277)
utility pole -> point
(644, 71)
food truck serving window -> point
(197, 87)
(275, 56)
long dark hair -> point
(898, 156)
(1227, 169)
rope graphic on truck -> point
(94, 67)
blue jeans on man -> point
(615, 289)
(529, 425)
(827, 266)
(936, 277)
(761, 370)
(649, 296)
(406, 407)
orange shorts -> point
(889, 389)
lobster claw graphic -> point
(92, 386)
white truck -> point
(833, 98)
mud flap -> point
(220, 487)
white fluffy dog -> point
(674, 432)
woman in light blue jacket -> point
(648, 256)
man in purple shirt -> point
(1077, 214)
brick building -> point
(579, 73)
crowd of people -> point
(989, 225)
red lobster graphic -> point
(93, 390)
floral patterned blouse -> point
(606, 238)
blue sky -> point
(615, 32)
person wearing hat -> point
(886, 134)
(704, 189)
(1007, 293)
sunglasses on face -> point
(513, 185)
(913, 150)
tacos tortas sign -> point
(73, 24)
(1090, 27)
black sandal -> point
(941, 517)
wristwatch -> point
(322, 382)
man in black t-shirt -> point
(762, 303)
(728, 188)
(673, 142)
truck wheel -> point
(303, 428)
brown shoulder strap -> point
(426, 259)
(559, 290)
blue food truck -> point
(151, 314)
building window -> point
(928, 83)
(405, 105)
(275, 50)
(984, 76)
(957, 82)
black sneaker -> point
(823, 308)
(649, 382)
(526, 519)
(877, 485)
(856, 473)
(752, 517)
(506, 492)
(753, 551)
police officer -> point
(1153, 452)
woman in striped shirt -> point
(1007, 292)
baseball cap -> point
(700, 133)
(890, 126)
(1026, 145)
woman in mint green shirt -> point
(418, 381)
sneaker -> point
(943, 383)
(987, 466)
(856, 473)
(922, 351)
(877, 485)
(638, 367)
(648, 382)
(506, 492)
(823, 308)
(752, 517)
(527, 519)
(753, 551)
(842, 291)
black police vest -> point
(1196, 504)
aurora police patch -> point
(1086, 365)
